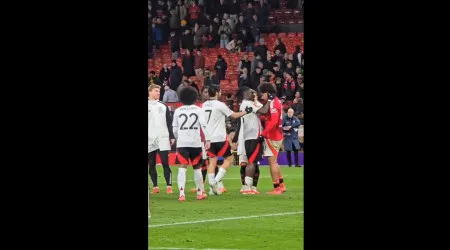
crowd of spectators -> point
(189, 26)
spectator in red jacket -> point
(194, 13)
(199, 63)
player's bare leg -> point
(275, 173)
(256, 179)
(181, 182)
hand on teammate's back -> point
(248, 109)
(172, 141)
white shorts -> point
(271, 148)
(243, 159)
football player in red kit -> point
(272, 134)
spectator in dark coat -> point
(188, 64)
(187, 42)
(175, 45)
(279, 45)
(255, 78)
(289, 69)
(222, 7)
(174, 20)
(255, 28)
(261, 49)
(290, 131)
(290, 87)
(248, 13)
(241, 25)
(244, 79)
(210, 79)
(244, 63)
(212, 35)
(295, 61)
(263, 16)
(164, 73)
(176, 75)
(221, 68)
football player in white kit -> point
(215, 113)
(249, 148)
(160, 137)
(187, 121)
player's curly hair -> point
(267, 88)
(188, 95)
(213, 89)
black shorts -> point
(253, 150)
(219, 149)
(184, 155)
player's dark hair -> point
(213, 90)
(243, 93)
(267, 88)
(188, 95)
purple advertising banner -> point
(282, 160)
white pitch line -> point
(222, 219)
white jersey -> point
(159, 126)
(187, 121)
(215, 113)
(250, 123)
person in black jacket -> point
(244, 63)
(187, 42)
(164, 73)
(290, 87)
(248, 13)
(295, 56)
(175, 45)
(221, 68)
(210, 79)
(244, 79)
(279, 45)
(255, 78)
(261, 49)
(188, 64)
(175, 76)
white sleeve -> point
(256, 106)
(175, 124)
(202, 122)
(225, 110)
(299, 58)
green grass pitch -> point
(231, 220)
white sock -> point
(248, 182)
(198, 178)
(211, 179)
(181, 181)
(220, 185)
(220, 174)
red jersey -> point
(194, 12)
(274, 121)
